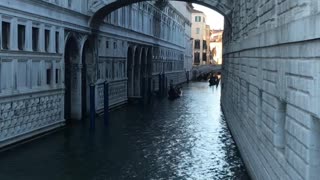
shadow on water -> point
(183, 139)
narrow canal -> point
(183, 139)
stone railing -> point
(117, 93)
(21, 115)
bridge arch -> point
(100, 8)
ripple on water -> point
(183, 139)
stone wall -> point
(271, 87)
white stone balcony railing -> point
(117, 93)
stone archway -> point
(137, 72)
(87, 72)
(149, 62)
(130, 70)
(72, 81)
(100, 8)
(143, 72)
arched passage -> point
(149, 62)
(71, 80)
(143, 72)
(137, 72)
(100, 8)
(130, 70)
(86, 78)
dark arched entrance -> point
(137, 73)
(71, 57)
(143, 73)
(86, 79)
(130, 70)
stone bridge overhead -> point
(100, 8)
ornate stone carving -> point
(117, 93)
(26, 115)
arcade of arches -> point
(270, 79)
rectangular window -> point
(21, 37)
(114, 45)
(35, 39)
(197, 44)
(57, 75)
(48, 76)
(57, 42)
(69, 3)
(196, 58)
(198, 18)
(5, 35)
(107, 44)
(198, 31)
(47, 40)
(204, 56)
(204, 44)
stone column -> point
(41, 38)
(76, 91)
(52, 40)
(28, 34)
(42, 73)
(61, 41)
(14, 34)
(29, 73)
(14, 81)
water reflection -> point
(183, 139)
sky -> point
(214, 19)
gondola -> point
(214, 81)
(174, 93)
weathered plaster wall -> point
(271, 87)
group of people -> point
(214, 79)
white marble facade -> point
(50, 55)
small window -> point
(48, 76)
(57, 75)
(57, 42)
(47, 40)
(69, 3)
(196, 58)
(197, 44)
(204, 56)
(114, 45)
(5, 35)
(204, 44)
(107, 44)
(35, 39)
(198, 18)
(198, 31)
(21, 37)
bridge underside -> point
(100, 8)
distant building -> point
(216, 46)
(200, 34)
